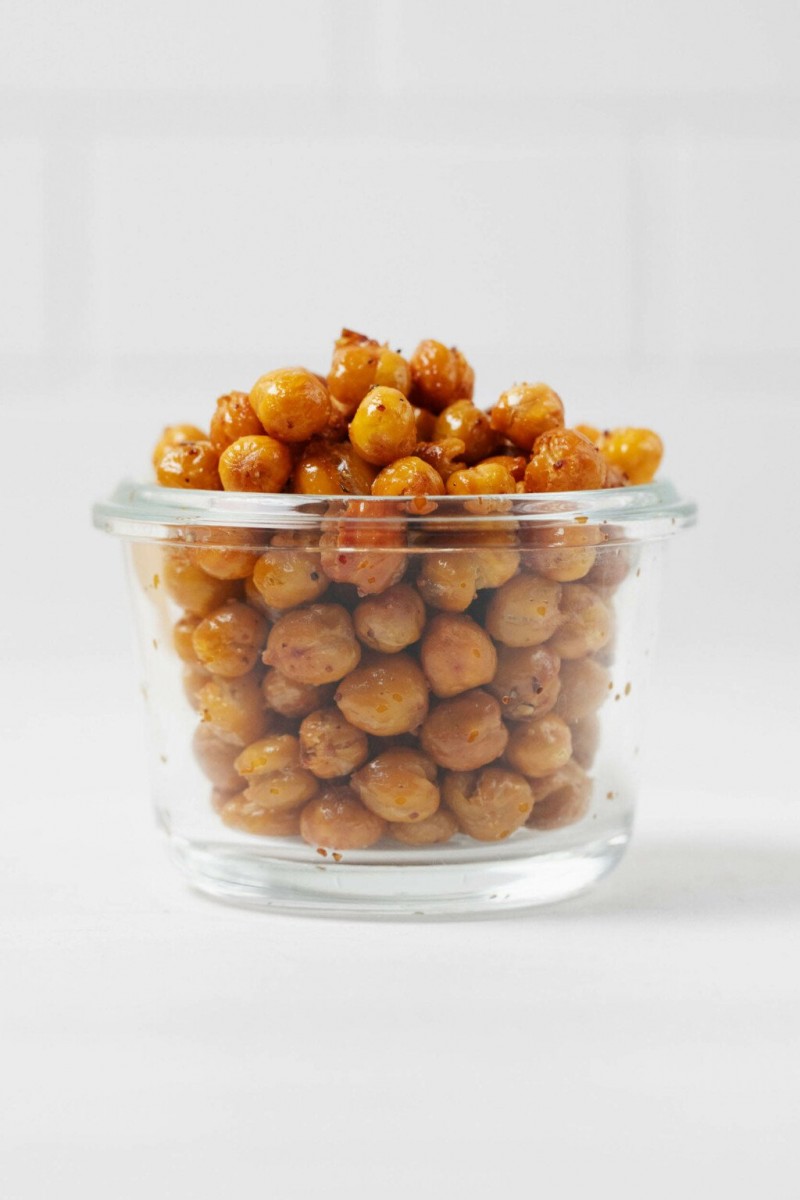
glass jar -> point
(395, 707)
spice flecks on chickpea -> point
(383, 427)
(562, 798)
(315, 645)
(489, 805)
(539, 747)
(291, 404)
(337, 820)
(440, 376)
(330, 746)
(189, 465)
(255, 464)
(233, 419)
(525, 411)
(176, 435)
(527, 681)
(391, 621)
(399, 785)
(368, 553)
(456, 654)
(466, 732)
(359, 364)
(524, 611)
(385, 696)
(564, 461)
(287, 577)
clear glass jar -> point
(447, 717)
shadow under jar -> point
(389, 707)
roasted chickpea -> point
(471, 425)
(182, 632)
(591, 432)
(426, 423)
(399, 785)
(539, 747)
(215, 757)
(445, 457)
(332, 469)
(191, 587)
(486, 479)
(525, 411)
(456, 654)
(276, 778)
(286, 577)
(448, 581)
(440, 376)
(432, 831)
(527, 681)
(359, 364)
(494, 565)
(189, 465)
(585, 685)
(313, 645)
(230, 639)
(290, 698)
(391, 621)
(585, 740)
(524, 611)
(587, 623)
(234, 707)
(515, 464)
(637, 453)
(561, 798)
(466, 732)
(248, 814)
(611, 567)
(255, 464)
(367, 553)
(338, 820)
(564, 461)
(176, 435)
(291, 404)
(383, 427)
(233, 419)
(330, 746)
(490, 804)
(563, 552)
(227, 553)
(409, 476)
(387, 695)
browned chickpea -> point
(191, 587)
(338, 820)
(330, 746)
(440, 376)
(399, 785)
(456, 654)
(391, 621)
(369, 553)
(562, 553)
(230, 639)
(182, 632)
(526, 681)
(463, 420)
(383, 427)
(255, 464)
(189, 465)
(525, 411)
(524, 611)
(490, 804)
(564, 461)
(235, 707)
(387, 695)
(176, 435)
(332, 469)
(637, 453)
(194, 678)
(248, 814)
(254, 598)
(445, 457)
(431, 832)
(233, 419)
(485, 480)
(409, 476)
(539, 747)
(215, 757)
(313, 645)
(448, 581)
(359, 363)
(227, 553)
(584, 686)
(286, 577)
(291, 404)
(585, 740)
(466, 732)
(426, 423)
(561, 798)
(515, 464)
(587, 623)
(276, 778)
(289, 698)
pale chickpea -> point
(248, 814)
(585, 740)
(191, 587)
(561, 798)
(290, 698)
(255, 463)
(399, 785)
(539, 747)
(431, 832)
(274, 773)
(216, 757)
(366, 548)
(456, 654)
(337, 820)
(390, 621)
(587, 623)
(465, 732)
(286, 577)
(527, 681)
(182, 632)
(585, 685)
(489, 805)
(383, 427)
(463, 420)
(230, 639)
(385, 696)
(313, 645)
(235, 707)
(330, 746)
(563, 553)
(447, 580)
(292, 404)
(227, 553)
(524, 611)
(525, 411)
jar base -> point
(456, 889)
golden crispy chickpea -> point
(248, 815)
(286, 577)
(360, 363)
(591, 432)
(585, 685)
(587, 622)
(182, 632)
(527, 681)
(440, 376)
(585, 740)
(431, 832)
(330, 746)
(525, 411)
(515, 464)
(448, 581)
(385, 696)
(463, 420)
(365, 550)
(313, 645)
(192, 587)
(399, 785)
(524, 611)
(466, 732)
(456, 654)
(255, 464)
(539, 747)
(189, 465)
(637, 453)
(561, 798)
(485, 479)
(564, 461)
(227, 553)
(445, 457)
(490, 804)
(426, 423)
(215, 756)
(337, 820)
(563, 552)
(233, 419)
(409, 476)
(383, 427)
(291, 404)
(194, 678)
(274, 773)
(235, 707)
(290, 698)
(332, 469)
(176, 435)
(230, 639)
(391, 621)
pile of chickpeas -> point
(353, 687)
